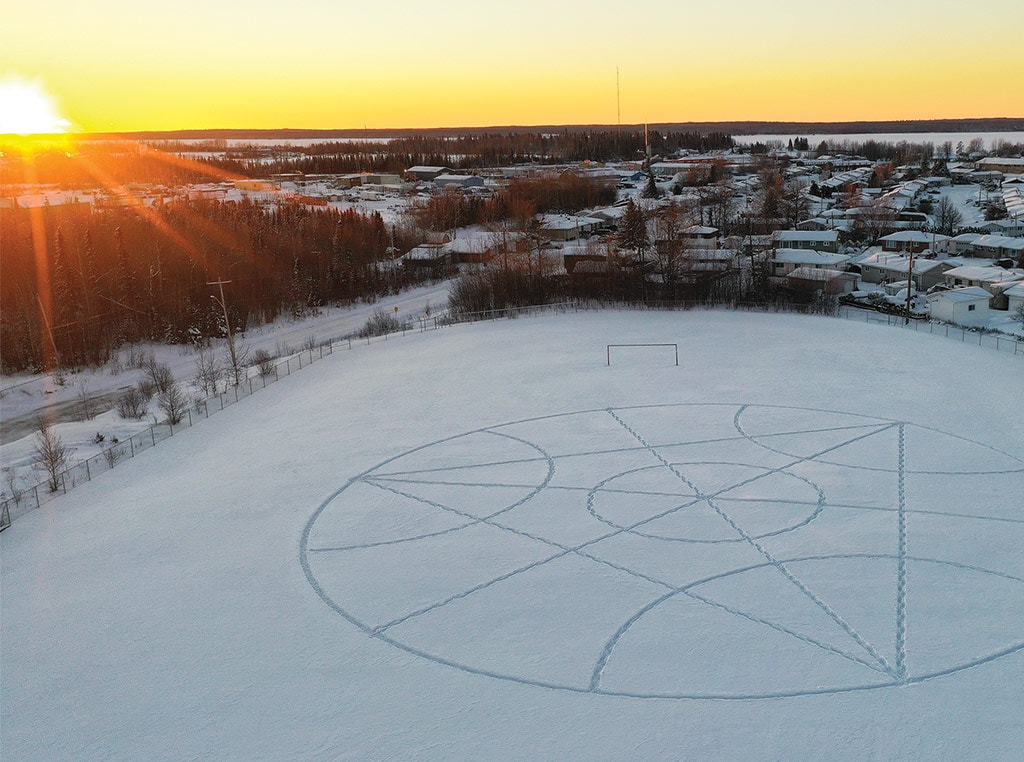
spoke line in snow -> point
(901, 563)
(781, 567)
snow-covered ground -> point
(484, 542)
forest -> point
(116, 276)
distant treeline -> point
(463, 152)
(985, 124)
(98, 163)
(119, 276)
(114, 166)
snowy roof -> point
(1000, 241)
(969, 294)
(985, 274)
(914, 236)
(566, 221)
(967, 237)
(806, 235)
(701, 230)
(808, 257)
(812, 273)
(426, 252)
(898, 263)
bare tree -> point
(159, 375)
(51, 454)
(86, 404)
(947, 217)
(208, 372)
(13, 487)
(236, 363)
(112, 455)
(173, 402)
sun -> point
(27, 109)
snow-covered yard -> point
(484, 542)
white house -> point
(1015, 298)
(886, 268)
(784, 261)
(458, 181)
(985, 277)
(912, 240)
(962, 306)
(566, 227)
(818, 240)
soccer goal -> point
(675, 349)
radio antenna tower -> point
(618, 105)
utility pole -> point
(910, 282)
(227, 327)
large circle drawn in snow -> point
(697, 551)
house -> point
(566, 227)
(997, 247)
(426, 174)
(985, 277)
(701, 237)
(458, 181)
(784, 261)
(1011, 228)
(432, 255)
(817, 240)
(914, 241)
(962, 306)
(999, 164)
(888, 268)
(1015, 298)
(961, 244)
(810, 279)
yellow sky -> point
(114, 65)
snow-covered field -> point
(484, 542)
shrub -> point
(132, 403)
(264, 361)
(382, 322)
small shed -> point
(962, 306)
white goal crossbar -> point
(674, 346)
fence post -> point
(250, 386)
(131, 444)
(36, 490)
(236, 394)
(189, 417)
(88, 475)
(152, 434)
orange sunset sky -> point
(113, 65)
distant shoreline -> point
(989, 124)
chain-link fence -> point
(28, 499)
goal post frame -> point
(608, 349)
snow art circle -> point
(687, 551)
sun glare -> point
(27, 109)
